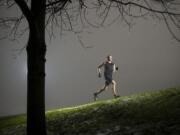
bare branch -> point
(169, 28)
(146, 8)
(25, 9)
(68, 15)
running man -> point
(109, 69)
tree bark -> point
(36, 86)
(36, 51)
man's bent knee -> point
(113, 82)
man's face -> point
(109, 58)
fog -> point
(147, 57)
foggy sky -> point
(147, 56)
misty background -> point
(147, 56)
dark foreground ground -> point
(147, 113)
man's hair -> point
(109, 56)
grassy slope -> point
(147, 113)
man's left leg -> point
(99, 91)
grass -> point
(145, 113)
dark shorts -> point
(108, 79)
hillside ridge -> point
(146, 113)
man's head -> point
(109, 58)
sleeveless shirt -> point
(108, 68)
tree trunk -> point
(36, 87)
(36, 50)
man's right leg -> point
(99, 91)
(114, 89)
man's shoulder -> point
(107, 63)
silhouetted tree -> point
(72, 15)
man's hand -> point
(117, 68)
(99, 75)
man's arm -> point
(115, 68)
(99, 69)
